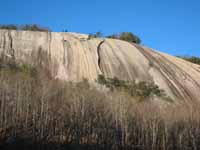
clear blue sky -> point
(171, 26)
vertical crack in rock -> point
(67, 59)
(66, 47)
(11, 51)
(99, 57)
(2, 52)
(4, 43)
(49, 44)
(10, 39)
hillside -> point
(40, 108)
(72, 57)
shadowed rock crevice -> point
(11, 51)
(49, 44)
(4, 41)
(67, 53)
(64, 51)
(8, 52)
(99, 55)
(10, 39)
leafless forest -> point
(38, 110)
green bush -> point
(28, 69)
(9, 27)
(145, 89)
(141, 89)
(113, 36)
(96, 35)
(126, 36)
(112, 83)
(192, 59)
(130, 37)
(27, 27)
(10, 65)
(15, 68)
(101, 79)
(34, 27)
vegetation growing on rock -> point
(192, 59)
(126, 36)
(9, 27)
(96, 35)
(143, 90)
(27, 27)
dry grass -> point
(39, 109)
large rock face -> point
(72, 56)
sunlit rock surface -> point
(72, 57)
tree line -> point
(26, 27)
(125, 36)
(192, 59)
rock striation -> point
(72, 57)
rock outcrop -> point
(72, 56)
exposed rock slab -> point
(73, 57)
